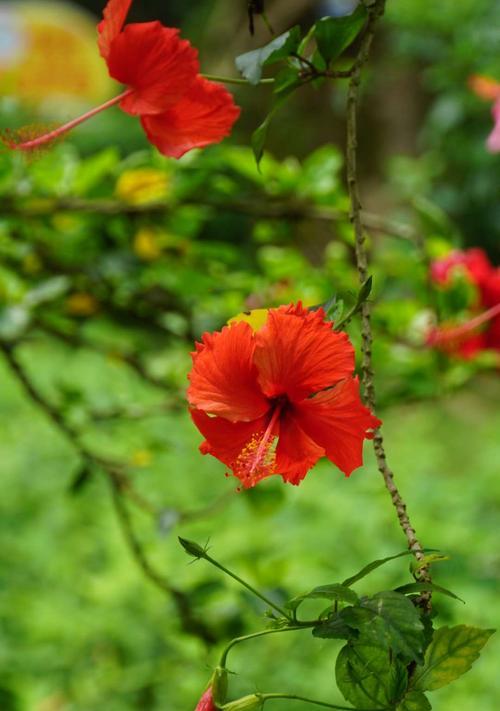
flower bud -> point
(252, 702)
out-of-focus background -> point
(114, 259)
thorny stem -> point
(376, 10)
(60, 130)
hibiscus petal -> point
(225, 440)
(296, 452)
(204, 115)
(337, 420)
(298, 353)
(493, 141)
(154, 62)
(224, 378)
(114, 15)
(206, 703)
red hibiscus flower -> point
(206, 703)
(489, 89)
(179, 109)
(482, 331)
(275, 400)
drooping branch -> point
(376, 11)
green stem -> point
(295, 697)
(247, 585)
(234, 80)
(254, 635)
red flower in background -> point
(482, 331)
(206, 703)
(489, 89)
(275, 400)
(179, 109)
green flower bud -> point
(192, 548)
(252, 702)
(219, 685)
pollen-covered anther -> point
(26, 138)
(256, 460)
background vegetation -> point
(113, 260)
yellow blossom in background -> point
(141, 186)
(146, 244)
(47, 51)
(141, 458)
(81, 304)
(255, 318)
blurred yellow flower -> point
(81, 304)
(141, 186)
(146, 244)
(255, 318)
(141, 458)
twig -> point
(375, 13)
(271, 209)
(190, 623)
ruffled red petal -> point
(154, 62)
(223, 439)
(296, 452)
(114, 15)
(298, 353)
(204, 115)
(337, 420)
(224, 379)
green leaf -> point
(286, 80)
(414, 701)
(259, 136)
(251, 63)
(334, 34)
(369, 677)
(335, 591)
(334, 628)
(426, 587)
(393, 623)
(372, 566)
(451, 653)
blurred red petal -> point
(337, 420)
(298, 353)
(204, 115)
(223, 380)
(114, 15)
(156, 63)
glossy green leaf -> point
(251, 63)
(414, 701)
(334, 34)
(259, 136)
(451, 653)
(335, 591)
(426, 587)
(368, 677)
(373, 566)
(390, 621)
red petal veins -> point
(298, 353)
(337, 420)
(296, 452)
(154, 62)
(224, 379)
(223, 439)
(204, 115)
(206, 703)
(114, 16)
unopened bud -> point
(192, 548)
(252, 702)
